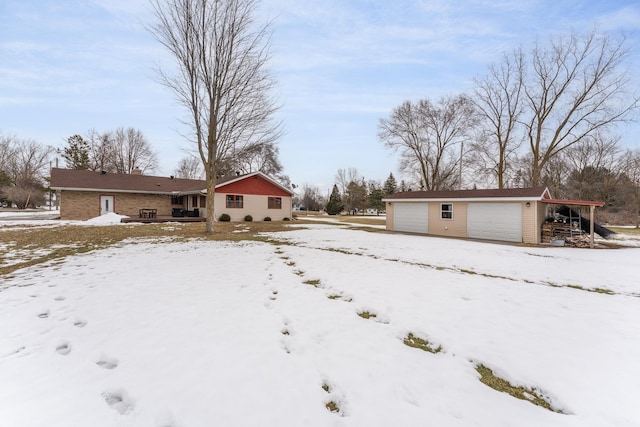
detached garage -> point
(510, 215)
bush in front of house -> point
(267, 218)
(248, 218)
(224, 218)
(285, 218)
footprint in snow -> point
(80, 323)
(63, 349)
(118, 401)
(60, 298)
(107, 363)
(44, 314)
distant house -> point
(511, 215)
(88, 194)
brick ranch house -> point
(513, 215)
(88, 194)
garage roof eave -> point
(467, 199)
(573, 202)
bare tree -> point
(344, 177)
(189, 167)
(131, 150)
(312, 200)
(576, 87)
(425, 134)
(630, 164)
(100, 151)
(24, 170)
(221, 78)
(497, 98)
(255, 157)
(7, 152)
(597, 150)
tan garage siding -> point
(389, 223)
(83, 205)
(456, 227)
(530, 230)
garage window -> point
(446, 211)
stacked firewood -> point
(558, 231)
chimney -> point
(136, 171)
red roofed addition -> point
(255, 184)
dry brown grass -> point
(532, 395)
(45, 244)
(630, 231)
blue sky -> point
(67, 66)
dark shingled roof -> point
(72, 179)
(536, 192)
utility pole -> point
(460, 172)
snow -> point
(202, 333)
(110, 218)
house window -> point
(177, 200)
(446, 211)
(275, 203)
(194, 201)
(203, 201)
(234, 201)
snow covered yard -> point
(199, 333)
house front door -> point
(106, 204)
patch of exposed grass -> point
(529, 394)
(313, 282)
(291, 264)
(332, 406)
(326, 387)
(422, 344)
(285, 332)
(464, 270)
(367, 315)
(299, 273)
(596, 290)
(629, 231)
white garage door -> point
(495, 221)
(411, 217)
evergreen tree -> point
(403, 186)
(335, 205)
(77, 153)
(376, 194)
(390, 185)
(356, 197)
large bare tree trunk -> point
(222, 80)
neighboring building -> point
(512, 215)
(87, 194)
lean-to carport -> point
(580, 203)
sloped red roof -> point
(72, 179)
(523, 193)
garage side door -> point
(495, 221)
(411, 217)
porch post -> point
(591, 226)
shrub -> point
(267, 218)
(285, 219)
(248, 218)
(224, 218)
